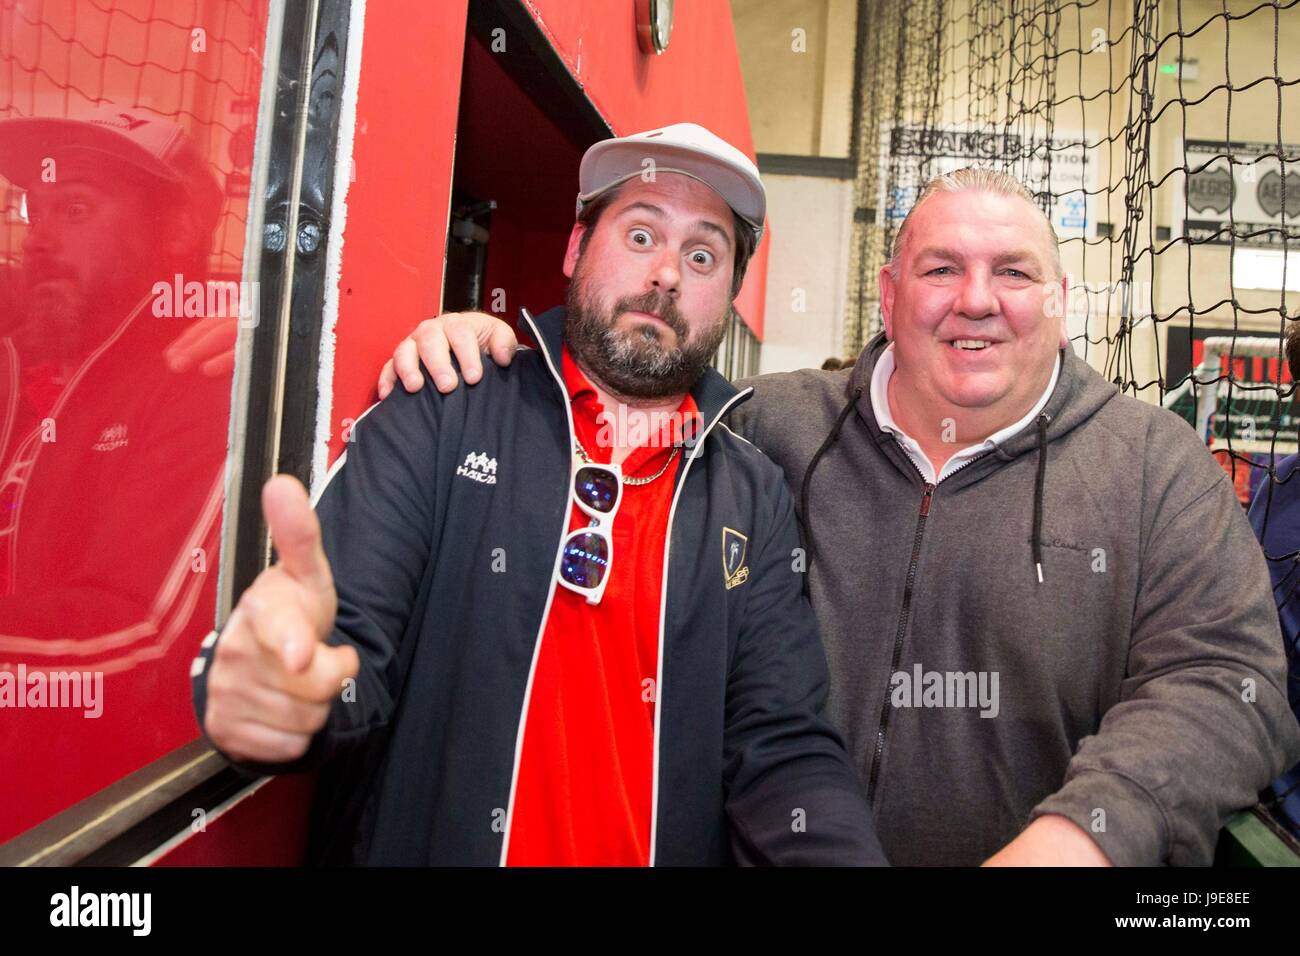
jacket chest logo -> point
(111, 438)
(734, 547)
(479, 467)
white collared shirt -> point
(885, 419)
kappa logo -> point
(121, 121)
(734, 547)
(479, 467)
(111, 438)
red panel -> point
(393, 249)
(509, 150)
(754, 292)
(696, 80)
(396, 231)
(268, 828)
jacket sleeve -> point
(793, 796)
(377, 514)
(1202, 722)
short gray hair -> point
(973, 179)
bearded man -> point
(557, 619)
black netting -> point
(1033, 88)
(184, 60)
(1161, 138)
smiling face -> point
(651, 286)
(968, 312)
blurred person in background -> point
(1275, 516)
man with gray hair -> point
(1049, 628)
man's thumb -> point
(295, 532)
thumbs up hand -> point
(273, 677)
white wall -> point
(797, 60)
(810, 220)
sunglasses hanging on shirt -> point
(587, 552)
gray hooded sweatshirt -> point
(1138, 690)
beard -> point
(62, 315)
(50, 322)
(636, 363)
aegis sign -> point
(1235, 193)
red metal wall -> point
(403, 153)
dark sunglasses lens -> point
(597, 489)
(585, 560)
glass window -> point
(126, 141)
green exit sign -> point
(1189, 69)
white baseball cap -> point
(153, 145)
(684, 148)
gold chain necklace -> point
(582, 453)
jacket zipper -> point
(905, 613)
(898, 638)
(550, 596)
(663, 617)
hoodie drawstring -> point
(807, 481)
(1038, 494)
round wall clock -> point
(654, 25)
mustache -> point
(658, 304)
(42, 270)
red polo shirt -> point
(583, 797)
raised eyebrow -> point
(707, 225)
(642, 207)
(701, 225)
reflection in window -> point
(126, 138)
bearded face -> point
(80, 278)
(646, 359)
(650, 291)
